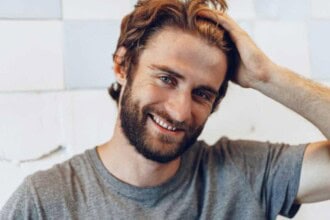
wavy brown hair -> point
(151, 16)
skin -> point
(182, 98)
(309, 99)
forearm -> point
(309, 99)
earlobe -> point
(119, 69)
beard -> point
(163, 148)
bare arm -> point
(312, 101)
(309, 99)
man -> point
(172, 65)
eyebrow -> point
(168, 70)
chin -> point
(166, 154)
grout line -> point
(44, 156)
(61, 7)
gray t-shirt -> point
(229, 180)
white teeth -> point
(163, 124)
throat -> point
(132, 168)
(154, 176)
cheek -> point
(200, 114)
(149, 93)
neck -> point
(125, 163)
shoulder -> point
(245, 154)
(72, 167)
(57, 182)
(53, 192)
(21, 204)
(252, 148)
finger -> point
(220, 18)
(223, 19)
(213, 16)
(231, 26)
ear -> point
(120, 71)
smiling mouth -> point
(163, 123)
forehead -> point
(187, 54)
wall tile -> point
(267, 8)
(30, 9)
(319, 35)
(239, 9)
(294, 10)
(93, 116)
(30, 125)
(88, 53)
(31, 55)
(320, 8)
(95, 9)
(286, 43)
(282, 9)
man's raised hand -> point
(254, 65)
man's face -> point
(165, 106)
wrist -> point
(265, 74)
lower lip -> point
(164, 130)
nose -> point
(179, 106)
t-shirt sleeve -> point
(273, 172)
(21, 204)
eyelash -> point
(203, 95)
(165, 80)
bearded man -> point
(172, 64)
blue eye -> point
(167, 80)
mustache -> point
(180, 125)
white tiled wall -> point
(319, 33)
(55, 65)
(95, 9)
(285, 43)
(30, 124)
(282, 9)
(31, 55)
(320, 9)
(93, 115)
(88, 48)
(241, 9)
(30, 9)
